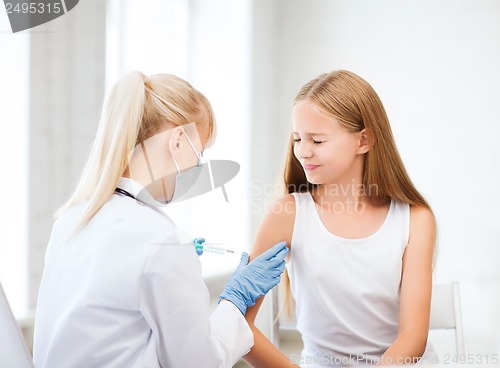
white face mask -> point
(194, 181)
(190, 183)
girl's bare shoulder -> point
(277, 225)
(421, 219)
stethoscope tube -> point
(124, 192)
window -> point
(208, 44)
(14, 94)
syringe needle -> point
(211, 247)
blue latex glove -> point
(252, 280)
(198, 245)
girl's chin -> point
(314, 180)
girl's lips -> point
(310, 167)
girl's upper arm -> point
(416, 283)
(276, 226)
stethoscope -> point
(125, 193)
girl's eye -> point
(317, 142)
(296, 140)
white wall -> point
(435, 67)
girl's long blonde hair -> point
(137, 108)
(348, 98)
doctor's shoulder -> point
(277, 225)
(137, 219)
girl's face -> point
(326, 150)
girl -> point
(362, 237)
(122, 285)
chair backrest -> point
(13, 349)
(445, 314)
(278, 321)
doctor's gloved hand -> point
(198, 245)
(252, 280)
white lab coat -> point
(124, 292)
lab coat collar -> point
(138, 191)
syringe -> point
(214, 248)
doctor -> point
(122, 284)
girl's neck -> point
(345, 192)
(353, 196)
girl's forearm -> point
(264, 354)
(406, 349)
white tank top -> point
(346, 290)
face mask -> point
(190, 183)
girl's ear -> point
(365, 141)
(174, 144)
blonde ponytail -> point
(136, 108)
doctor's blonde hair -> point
(355, 105)
(137, 108)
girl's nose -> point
(302, 150)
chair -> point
(13, 349)
(279, 323)
(445, 314)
